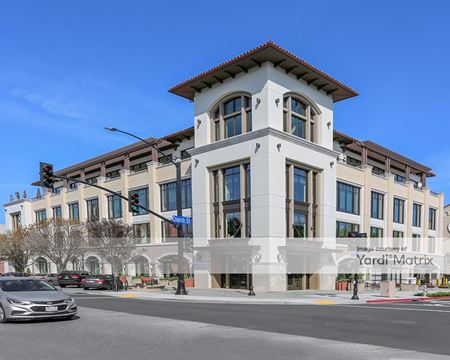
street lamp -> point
(181, 289)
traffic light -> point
(134, 203)
(46, 175)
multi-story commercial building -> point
(447, 221)
(263, 167)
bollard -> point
(355, 288)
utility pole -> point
(181, 289)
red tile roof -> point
(269, 51)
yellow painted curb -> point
(128, 296)
(325, 302)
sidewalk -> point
(234, 296)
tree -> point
(113, 241)
(17, 248)
(60, 240)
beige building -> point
(447, 221)
(267, 168)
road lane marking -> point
(325, 302)
(128, 296)
(393, 308)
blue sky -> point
(67, 69)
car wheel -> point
(63, 286)
(85, 288)
(3, 317)
(108, 286)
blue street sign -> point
(182, 220)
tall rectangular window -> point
(169, 195)
(16, 221)
(74, 212)
(169, 232)
(216, 186)
(347, 198)
(92, 210)
(299, 224)
(143, 199)
(415, 243)
(141, 233)
(114, 207)
(232, 183)
(399, 211)
(186, 193)
(416, 216)
(233, 117)
(377, 205)
(344, 228)
(233, 225)
(41, 216)
(300, 185)
(248, 187)
(397, 237)
(431, 245)
(57, 212)
(432, 219)
(376, 234)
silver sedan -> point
(24, 298)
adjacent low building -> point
(263, 168)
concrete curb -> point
(406, 300)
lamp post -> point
(356, 234)
(181, 289)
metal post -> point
(355, 288)
(181, 289)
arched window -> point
(93, 265)
(300, 118)
(232, 117)
(42, 265)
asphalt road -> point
(110, 335)
(418, 327)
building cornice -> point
(253, 135)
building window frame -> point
(398, 215)
(40, 215)
(235, 110)
(141, 233)
(144, 199)
(350, 203)
(168, 193)
(114, 207)
(74, 211)
(57, 212)
(432, 216)
(93, 209)
(347, 227)
(299, 111)
(377, 205)
(417, 215)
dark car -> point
(72, 277)
(52, 279)
(100, 282)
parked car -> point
(26, 298)
(100, 282)
(16, 274)
(72, 277)
(52, 279)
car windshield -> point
(25, 285)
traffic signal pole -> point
(181, 289)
